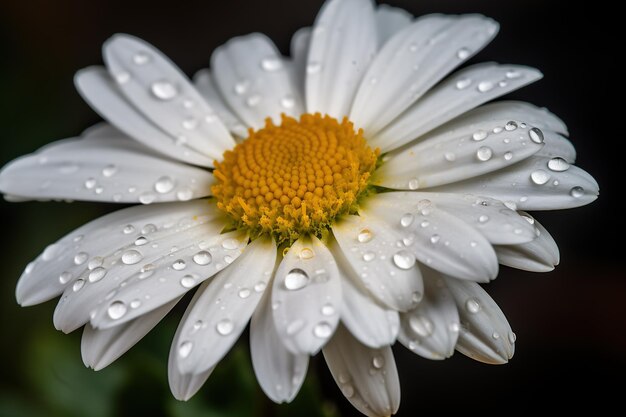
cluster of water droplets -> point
(484, 86)
(245, 87)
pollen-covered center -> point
(294, 178)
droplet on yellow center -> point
(294, 178)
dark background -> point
(570, 323)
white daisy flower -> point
(341, 199)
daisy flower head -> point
(353, 194)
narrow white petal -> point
(367, 377)
(110, 169)
(540, 255)
(465, 151)
(299, 49)
(432, 328)
(494, 220)
(389, 21)
(279, 372)
(206, 87)
(557, 146)
(343, 43)
(485, 335)
(250, 74)
(164, 95)
(222, 307)
(462, 91)
(100, 348)
(533, 185)
(414, 60)
(435, 237)
(62, 262)
(306, 281)
(375, 255)
(98, 89)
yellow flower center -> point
(295, 178)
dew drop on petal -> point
(322, 330)
(135, 303)
(241, 87)
(244, 293)
(225, 327)
(485, 86)
(378, 362)
(449, 156)
(260, 286)
(463, 83)
(116, 310)
(364, 236)
(164, 185)
(463, 53)
(328, 309)
(141, 58)
(90, 183)
(479, 135)
(163, 90)
(184, 194)
(288, 102)
(146, 198)
(369, 256)
(510, 126)
(65, 277)
(97, 274)
(407, 219)
(558, 164)
(508, 156)
(512, 337)
(253, 100)
(306, 253)
(128, 229)
(472, 306)
(483, 218)
(179, 265)
(540, 177)
(78, 284)
(435, 238)
(109, 170)
(141, 240)
(404, 259)
(296, 279)
(188, 281)
(577, 192)
(148, 228)
(484, 153)
(414, 184)
(495, 335)
(131, 257)
(313, 67)
(536, 135)
(80, 258)
(202, 258)
(230, 244)
(185, 349)
(95, 262)
(271, 64)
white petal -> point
(306, 281)
(372, 324)
(370, 249)
(183, 386)
(436, 238)
(206, 87)
(367, 377)
(100, 348)
(480, 83)
(102, 130)
(279, 372)
(109, 169)
(299, 49)
(62, 262)
(486, 335)
(98, 89)
(540, 255)
(250, 73)
(414, 60)
(389, 21)
(494, 220)
(343, 42)
(163, 94)
(450, 155)
(222, 307)
(522, 185)
(432, 328)
(556, 145)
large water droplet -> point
(185, 349)
(148, 228)
(510, 126)
(558, 164)
(90, 183)
(80, 258)
(364, 236)
(184, 194)
(472, 306)
(131, 257)
(179, 265)
(225, 327)
(479, 135)
(463, 53)
(463, 83)
(540, 177)
(508, 156)
(536, 135)
(141, 58)
(288, 102)
(230, 244)
(116, 310)
(164, 185)
(296, 279)
(407, 219)
(369, 256)
(244, 293)
(78, 284)
(97, 274)
(271, 64)
(328, 309)
(141, 240)
(65, 277)
(202, 258)
(241, 87)
(188, 281)
(322, 330)
(404, 259)
(109, 170)
(577, 192)
(378, 361)
(414, 184)
(146, 198)
(485, 86)
(512, 337)
(484, 153)
(164, 90)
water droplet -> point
(497, 130)
(122, 77)
(510, 126)
(472, 305)
(513, 74)
(184, 194)
(364, 236)
(109, 170)
(495, 335)
(485, 86)
(463, 53)
(378, 361)
(484, 153)
(508, 156)
(347, 390)
(65, 277)
(141, 58)
(197, 325)
(188, 281)
(306, 253)
(416, 297)
(463, 83)
(322, 330)
(421, 325)
(99, 190)
(202, 258)
(95, 262)
(241, 87)
(116, 310)
(146, 271)
(179, 265)
(558, 164)
(271, 64)
(97, 274)
(404, 259)
(540, 177)
(135, 303)
(164, 90)
(414, 184)
(369, 256)
(141, 240)
(479, 135)
(406, 220)
(185, 349)
(244, 293)
(288, 102)
(148, 228)
(435, 238)
(78, 284)
(313, 67)
(131, 257)
(577, 192)
(260, 286)
(449, 156)
(225, 327)
(164, 185)
(90, 183)
(230, 244)
(128, 229)
(253, 100)
(189, 123)
(425, 223)
(536, 135)
(328, 309)
(146, 198)
(483, 218)
(296, 279)
(512, 337)
(80, 258)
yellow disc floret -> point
(294, 178)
